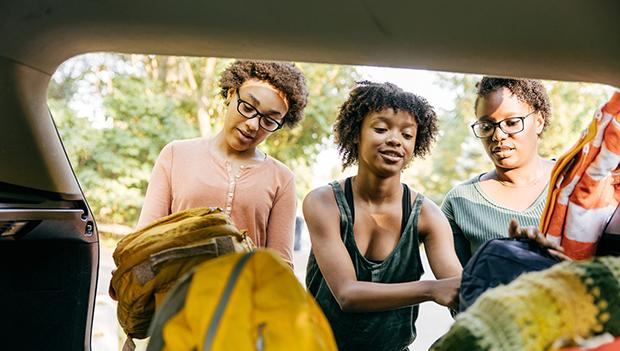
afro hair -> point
(285, 77)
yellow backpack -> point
(241, 302)
(150, 260)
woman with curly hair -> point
(229, 170)
(364, 268)
(511, 117)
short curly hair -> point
(283, 76)
(530, 91)
(368, 97)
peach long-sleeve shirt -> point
(259, 199)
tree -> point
(113, 156)
(115, 113)
(572, 108)
(328, 86)
(458, 155)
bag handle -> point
(147, 270)
(173, 303)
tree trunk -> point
(202, 97)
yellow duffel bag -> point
(150, 260)
(241, 302)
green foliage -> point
(116, 112)
(143, 121)
(572, 108)
(458, 155)
(328, 87)
(113, 157)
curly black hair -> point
(530, 91)
(283, 76)
(368, 97)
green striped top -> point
(475, 218)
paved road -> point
(106, 331)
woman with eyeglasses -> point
(229, 170)
(511, 116)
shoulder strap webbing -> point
(221, 305)
(170, 307)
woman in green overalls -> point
(364, 268)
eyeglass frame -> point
(257, 114)
(499, 124)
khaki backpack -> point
(241, 302)
(150, 260)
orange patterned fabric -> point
(586, 190)
(610, 346)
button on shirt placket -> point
(232, 182)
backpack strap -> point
(221, 305)
(175, 301)
(171, 306)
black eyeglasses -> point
(512, 125)
(248, 111)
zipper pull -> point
(260, 339)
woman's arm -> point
(435, 232)
(323, 221)
(461, 244)
(158, 198)
(281, 225)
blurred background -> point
(115, 112)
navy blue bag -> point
(500, 261)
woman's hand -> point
(446, 292)
(515, 231)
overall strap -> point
(348, 195)
(406, 207)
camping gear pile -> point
(200, 284)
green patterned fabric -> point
(476, 218)
(568, 300)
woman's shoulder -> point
(278, 168)
(326, 193)
(187, 144)
(183, 150)
(465, 187)
(321, 199)
(184, 146)
(277, 164)
(426, 203)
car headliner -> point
(553, 39)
